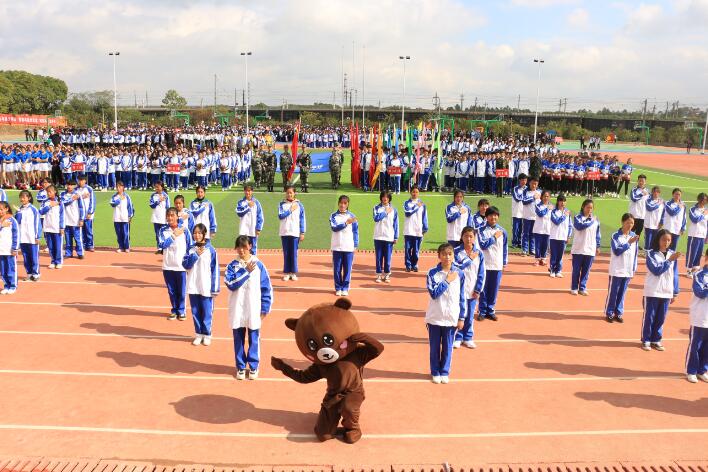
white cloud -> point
(542, 3)
(578, 18)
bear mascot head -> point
(328, 336)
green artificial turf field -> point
(322, 201)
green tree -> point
(173, 100)
(22, 92)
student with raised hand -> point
(291, 214)
(344, 241)
(250, 211)
(470, 259)
(561, 229)
(652, 220)
(674, 217)
(415, 225)
(202, 266)
(458, 215)
(175, 239)
(183, 214)
(250, 299)
(445, 313)
(623, 264)
(123, 212)
(9, 248)
(586, 245)
(542, 227)
(697, 234)
(493, 242)
(660, 289)
(697, 355)
(385, 235)
(159, 202)
(203, 212)
(27, 217)
(638, 203)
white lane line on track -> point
(289, 340)
(379, 436)
(425, 380)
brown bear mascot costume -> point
(328, 335)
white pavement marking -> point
(388, 341)
(391, 436)
(425, 380)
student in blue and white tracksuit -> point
(517, 211)
(385, 236)
(697, 234)
(291, 214)
(52, 211)
(344, 241)
(250, 211)
(175, 239)
(123, 212)
(249, 302)
(697, 353)
(638, 204)
(202, 266)
(9, 247)
(493, 242)
(479, 219)
(458, 215)
(652, 219)
(623, 264)
(660, 289)
(561, 229)
(86, 194)
(674, 217)
(586, 245)
(446, 311)
(470, 259)
(531, 196)
(3, 195)
(74, 215)
(159, 202)
(27, 217)
(541, 229)
(415, 225)
(203, 212)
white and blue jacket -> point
(542, 225)
(561, 229)
(174, 247)
(495, 249)
(251, 217)
(456, 221)
(623, 255)
(292, 223)
(385, 224)
(159, 208)
(53, 215)
(90, 202)
(637, 206)
(415, 222)
(9, 237)
(447, 303)
(478, 221)
(474, 270)
(699, 222)
(345, 237)
(655, 210)
(661, 281)
(698, 311)
(251, 293)
(123, 210)
(3, 195)
(202, 271)
(587, 237)
(674, 217)
(203, 212)
(30, 224)
(517, 205)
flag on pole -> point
(372, 163)
(356, 159)
(293, 152)
(379, 159)
(440, 162)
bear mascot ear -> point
(291, 323)
(343, 303)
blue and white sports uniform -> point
(586, 241)
(660, 286)
(495, 250)
(697, 234)
(202, 285)
(343, 243)
(697, 352)
(472, 265)
(415, 225)
(623, 265)
(385, 236)
(27, 217)
(251, 221)
(9, 246)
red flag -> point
(293, 151)
(356, 160)
(372, 165)
(417, 157)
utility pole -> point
(475, 104)
(235, 102)
(146, 99)
(344, 91)
(666, 113)
(560, 103)
(334, 100)
(565, 104)
(705, 132)
(462, 101)
(484, 113)
(135, 98)
(282, 110)
(243, 96)
(644, 110)
(353, 105)
(653, 112)
(363, 59)
(518, 102)
(215, 95)
(436, 103)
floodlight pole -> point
(538, 92)
(115, 90)
(705, 131)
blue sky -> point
(597, 53)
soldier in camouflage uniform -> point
(304, 161)
(286, 163)
(257, 166)
(336, 161)
(268, 167)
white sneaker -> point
(552, 274)
(445, 379)
(560, 275)
(206, 340)
(573, 292)
(646, 346)
(703, 377)
(241, 375)
(338, 293)
(3, 291)
(345, 293)
(197, 340)
(10, 291)
(387, 278)
(293, 276)
(286, 277)
(658, 346)
(52, 266)
(584, 293)
(252, 374)
(119, 250)
(456, 344)
(379, 279)
(692, 378)
(58, 266)
(436, 379)
(469, 344)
